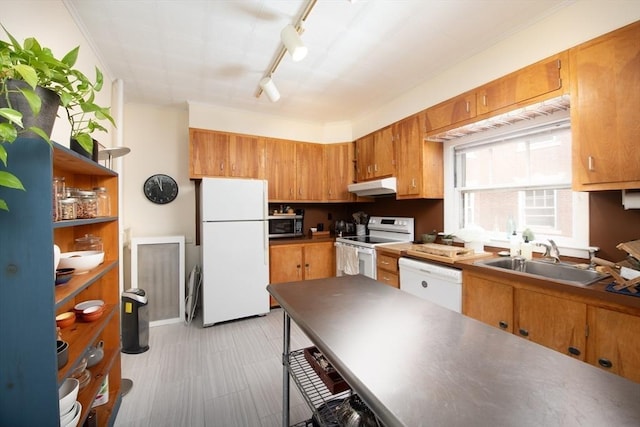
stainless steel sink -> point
(564, 272)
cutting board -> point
(444, 253)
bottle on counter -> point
(526, 249)
(514, 244)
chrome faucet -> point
(550, 251)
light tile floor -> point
(226, 375)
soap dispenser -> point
(526, 249)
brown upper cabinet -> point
(605, 100)
(281, 169)
(375, 155)
(223, 154)
(532, 83)
(451, 112)
(310, 172)
(543, 80)
(419, 170)
(339, 171)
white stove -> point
(382, 230)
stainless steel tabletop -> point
(417, 364)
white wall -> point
(52, 25)
(159, 142)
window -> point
(516, 176)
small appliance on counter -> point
(286, 222)
(345, 228)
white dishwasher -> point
(432, 282)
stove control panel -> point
(392, 224)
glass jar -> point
(88, 242)
(104, 202)
(67, 208)
(59, 193)
(87, 206)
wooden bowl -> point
(92, 313)
(66, 319)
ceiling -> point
(362, 54)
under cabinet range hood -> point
(376, 187)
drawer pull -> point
(524, 332)
(424, 284)
(574, 351)
(605, 363)
(503, 324)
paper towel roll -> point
(631, 199)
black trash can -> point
(135, 321)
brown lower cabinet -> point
(301, 261)
(577, 327)
(387, 270)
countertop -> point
(299, 240)
(596, 292)
(416, 363)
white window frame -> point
(576, 247)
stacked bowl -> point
(88, 311)
(70, 408)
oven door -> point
(366, 261)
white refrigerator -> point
(235, 249)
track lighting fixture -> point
(292, 41)
(269, 87)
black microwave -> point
(285, 225)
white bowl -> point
(73, 413)
(67, 394)
(84, 305)
(82, 261)
(76, 418)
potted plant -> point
(32, 81)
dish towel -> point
(347, 259)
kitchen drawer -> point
(388, 263)
(388, 278)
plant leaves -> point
(85, 141)
(3, 155)
(8, 132)
(3, 205)
(9, 180)
(71, 57)
(12, 115)
(28, 73)
(40, 133)
(35, 103)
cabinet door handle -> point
(605, 363)
(574, 351)
(221, 166)
(503, 325)
(375, 167)
(523, 332)
(413, 183)
(468, 106)
(424, 284)
(591, 164)
(484, 100)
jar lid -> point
(84, 193)
(99, 188)
(68, 201)
(89, 238)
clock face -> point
(160, 189)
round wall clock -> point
(160, 189)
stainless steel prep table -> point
(417, 364)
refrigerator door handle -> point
(265, 239)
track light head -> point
(292, 41)
(269, 87)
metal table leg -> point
(286, 343)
